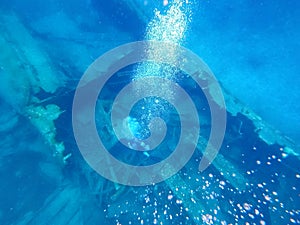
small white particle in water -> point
(292, 220)
(207, 219)
(258, 162)
(179, 201)
(298, 176)
(246, 206)
(210, 175)
(147, 199)
(262, 222)
(251, 216)
(267, 197)
(193, 200)
(170, 197)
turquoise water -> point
(252, 48)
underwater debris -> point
(43, 119)
(266, 132)
(35, 72)
(37, 67)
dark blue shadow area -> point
(24, 187)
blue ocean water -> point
(251, 46)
